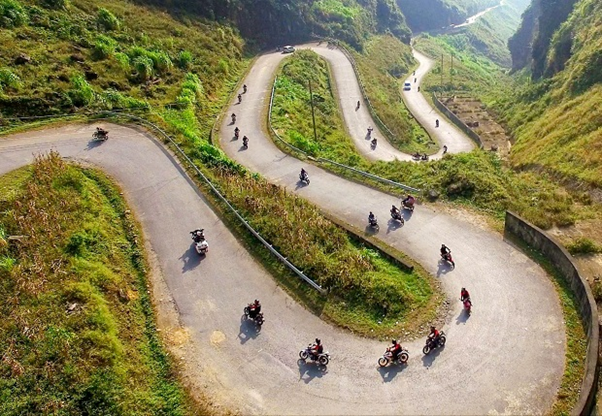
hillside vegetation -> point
(273, 22)
(58, 57)
(557, 122)
(77, 333)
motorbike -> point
(244, 89)
(387, 358)
(373, 143)
(369, 134)
(407, 205)
(467, 305)
(245, 142)
(396, 215)
(200, 244)
(304, 178)
(236, 134)
(239, 98)
(258, 318)
(437, 123)
(448, 258)
(373, 222)
(322, 359)
(233, 118)
(430, 345)
(100, 135)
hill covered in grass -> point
(77, 332)
(273, 22)
(557, 120)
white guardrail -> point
(147, 123)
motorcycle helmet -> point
(256, 301)
(318, 341)
(394, 341)
(463, 289)
(432, 328)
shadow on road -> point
(393, 225)
(92, 144)
(248, 330)
(443, 268)
(300, 184)
(389, 372)
(370, 230)
(462, 317)
(407, 214)
(243, 148)
(234, 138)
(191, 259)
(428, 360)
(310, 370)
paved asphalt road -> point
(492, 363)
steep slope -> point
(531, 44)
(61, 58)
(272, 22)
(558, 121)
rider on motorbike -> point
(239, 98)
(444, 250)
(244, 89)
(374, 142)
(316, 348)
(395, 349)
(198, 235)
(371, 218)
(464, 295)
(245, 140)
(437, 123)
(394, 211)
(233, 118)
(409, 201)
(101, 131)
(303, 174)
(434, 335)
(254, 309)
(370, 131)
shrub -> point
(8, 79)
(143, 65)
(114, 99)
(12, 14)
(104, 47)
(107, 20)
(123, 60)
(82, 93)
(56, 4)
(583, 245)
(192, 90)
(161, 61)
(184, 59)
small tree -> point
(56, 4)
(12, 14)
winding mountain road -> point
(508, 357)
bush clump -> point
(12, 14)
(107, 20)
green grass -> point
(367, 293)
(383, 65)
(81, 249)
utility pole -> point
(313, 117)
(451, 72)
(441, 73)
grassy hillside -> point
(77, 333)
(277, 22)
(557, 122)
(62, 56)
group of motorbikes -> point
(407, 204)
